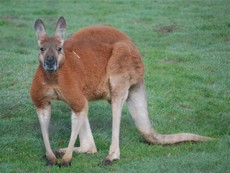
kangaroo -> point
(97, 62)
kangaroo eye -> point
(42, 49)
(59, 49)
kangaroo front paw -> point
(51, 159)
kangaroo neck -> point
(50, 77)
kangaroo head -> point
(51, 54)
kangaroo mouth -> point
(50, 65)
(50, 68)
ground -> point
(185, 49)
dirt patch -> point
(162, 28)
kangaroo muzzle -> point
(50, 64)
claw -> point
(64, 164)
(107, 162)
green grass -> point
(186, 51)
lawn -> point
(186, 51)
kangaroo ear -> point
(60, 28)
(39, 28)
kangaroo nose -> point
(50, 61)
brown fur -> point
(87, 67)
(97, 62)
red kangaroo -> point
(97, 62)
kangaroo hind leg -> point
(119, 95)
(87, 144)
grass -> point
(185, 48)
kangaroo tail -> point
(167, 139)
(138, 108)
